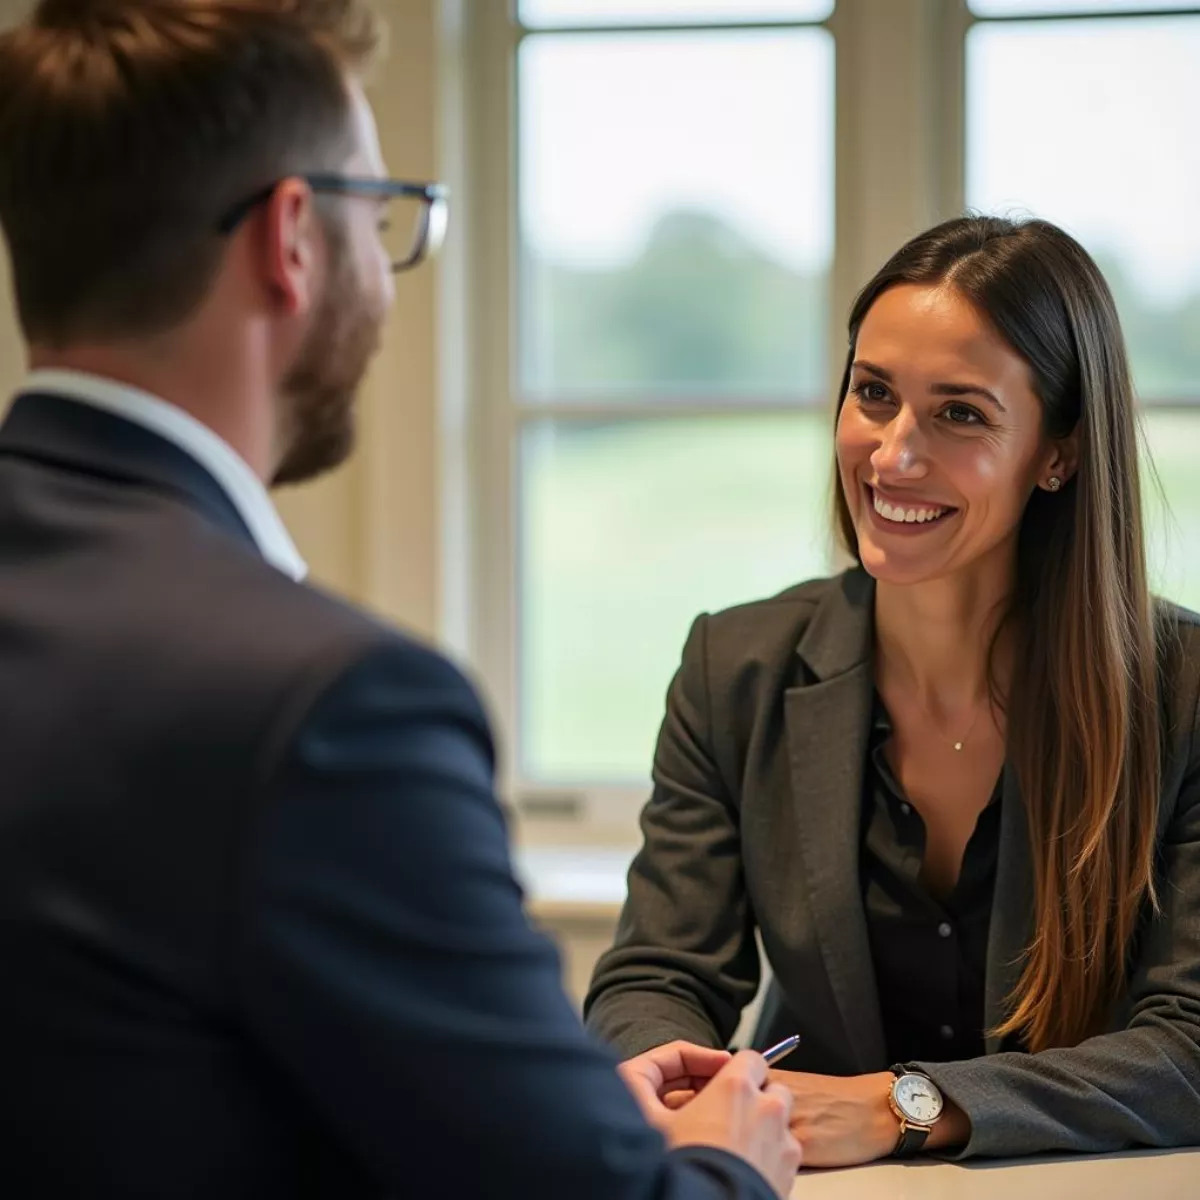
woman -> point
(955, 790)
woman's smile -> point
(904, 516)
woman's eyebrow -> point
(938, 389)
(966, 389)
(862, 363)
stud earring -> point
(1054, 483)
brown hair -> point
(127, 129)
(1083, 722)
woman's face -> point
(940, 439)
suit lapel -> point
(828, 726)
(64, 432)
(1012, 909)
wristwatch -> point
(917, 1102)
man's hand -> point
(737, 1113)
(668, 1076)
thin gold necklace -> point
(958, 745)
(974, 721)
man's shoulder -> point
(310, 620)
(360, 649)
(238, 628)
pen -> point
(782, 1049)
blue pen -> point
(782, 1050)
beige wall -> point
(369, 531)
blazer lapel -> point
(828, 727)
(1012, 909)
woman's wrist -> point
(952, 1130)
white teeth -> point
(905, 516)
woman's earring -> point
(1054, 483)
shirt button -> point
(944, 930)
(947, 1032)
(906, 809)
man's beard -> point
(322, 385)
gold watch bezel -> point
(907, 1122)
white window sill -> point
(582, 883)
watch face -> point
(918, 1098)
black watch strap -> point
(912, 1139)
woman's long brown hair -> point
(1082, 707)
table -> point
(1142, 1175)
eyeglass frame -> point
(431, 229)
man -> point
(259, 931)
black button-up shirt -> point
(929, 956)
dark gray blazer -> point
(754, 823)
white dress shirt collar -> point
(244, 489)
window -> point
(671, 332)
(663, 379)
(672, 204)
(1100, 137)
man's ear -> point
(292, 250)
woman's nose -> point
(901, 451)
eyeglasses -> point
(412, 230)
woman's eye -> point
(963, 414)
(871, 391)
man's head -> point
(131, 129)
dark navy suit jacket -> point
(259, 931)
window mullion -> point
(489, 211)
(898, 128)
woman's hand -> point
(664, 1078)
(841, 1122)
